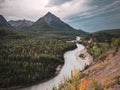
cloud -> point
(1, 2)
(101, 10)
(102, 22)
(72, 8)
(101, 16)
(30, 9)
(57, 2)
(96, 11)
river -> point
(72, 60)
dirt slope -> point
(106, 69)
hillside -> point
(103, 73)
(84, 32)
(103, 36)
(4, 23)
(106, 70)
(110, 31)
(10, 34)
(7, 32)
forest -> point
(25, 61)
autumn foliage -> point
(80, 82)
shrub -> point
(82, 56)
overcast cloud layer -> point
(89, 15)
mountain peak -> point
(52, 22)
(49, 13)
(49, 17)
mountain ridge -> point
(20, 23)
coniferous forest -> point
(27, 61)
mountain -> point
(21, 23)
(52, 22)
(7, 32)
(53, 26)
(4, 23)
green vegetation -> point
(27, 61)
(82, 56)
(115, 42)
(111, 31)
(101, 41)
(101, 37)
(118, 80)
(96, 49)
(8, 34)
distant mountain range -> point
(48, 25)
(20, 23)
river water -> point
(71, 61)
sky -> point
(88, 15)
